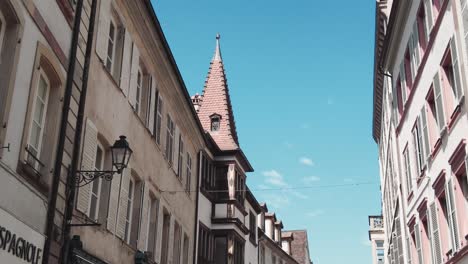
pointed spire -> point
(217, 102)
(217, 55)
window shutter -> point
(142, 218)
(159, 119)
(417, 233)
(408, 249)
(87, 163)
(439, 102)
(411, 48)
(428, 18)
(435, 238)
(113, 203)
(175, 151)
(403, 82)
(456, 69)
(122, 210)
(416, 44)
(152, 109)
(453, 224)
(126, 63)
(134, 75)
(425, 134)
(103, 30)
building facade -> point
(77, 75)
(377, 239)
(420, 125)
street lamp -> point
(121, 153)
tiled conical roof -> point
(216, 101)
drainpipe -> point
(63, 127)
(71, 182)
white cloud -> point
(306, 161)
(310, 179)
(274, 178)
(315, 213)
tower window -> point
(215, 122)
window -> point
(220, 255)
(95, 194)
(139, 89)
(238, 251)
(185, 259)
(452, 216)
(153, 213)
(180, 165)
(38, 120)
(423, 36)
(414, 50)
(165, 238)
(206, 246)
(409, 180)
(262, 255)
(428, 18)
(177, 241)
(113, 46)
(418, 243)
(403, 83)
(188, 173)
(170, 140)
(435, 234)
(450, 76)
(128, 216)
(215, 123)
(208, 173)
(158, 120)
(253, 226)
(273, 259)
(240, 188)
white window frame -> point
(439, 102)
(409, 180)
(45, 101)
(129, 213)
(170, 139)
(111, 40)
(159, 118)
(98, 182)
(180, 165)
(139, 89)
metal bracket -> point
(86, 177)
(6, 147)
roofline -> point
(253, 201)
(168, 51)
(271, 241)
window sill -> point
(33, 177)
(455, 114)
(421, 177)
(410, 197)
(436, 148)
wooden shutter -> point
(417, 54)
(103, 30)
(417, 233)
(403, 83)
(134, 75)
(452, 214)
(152, 109)
(456, 69)
(113, 203)
(126, 63)
(175, 152)
(88, 160)
(122, 210)
(439, 102)
(435, 238)
(428, 23)
(426, 147)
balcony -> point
(230, 212)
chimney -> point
(196, 101)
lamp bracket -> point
(7, 147)
(85, 177)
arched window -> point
(215, 122)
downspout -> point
(62, 134)
(195, 232)
(71, 182)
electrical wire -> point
(285, 188)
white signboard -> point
(19, 244)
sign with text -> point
(19, 244)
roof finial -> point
(217, 55)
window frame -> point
(188, 173)
(111, 40)
(153, 211)
(129, 213)
(41, 76)
(180, 161)
(169, 152)
(159, 118)
(98, 181)
(139, 90)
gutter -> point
(52, 204)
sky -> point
(300, 80)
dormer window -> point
(215, 122)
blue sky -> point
(300, 78)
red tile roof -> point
(216, 100)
